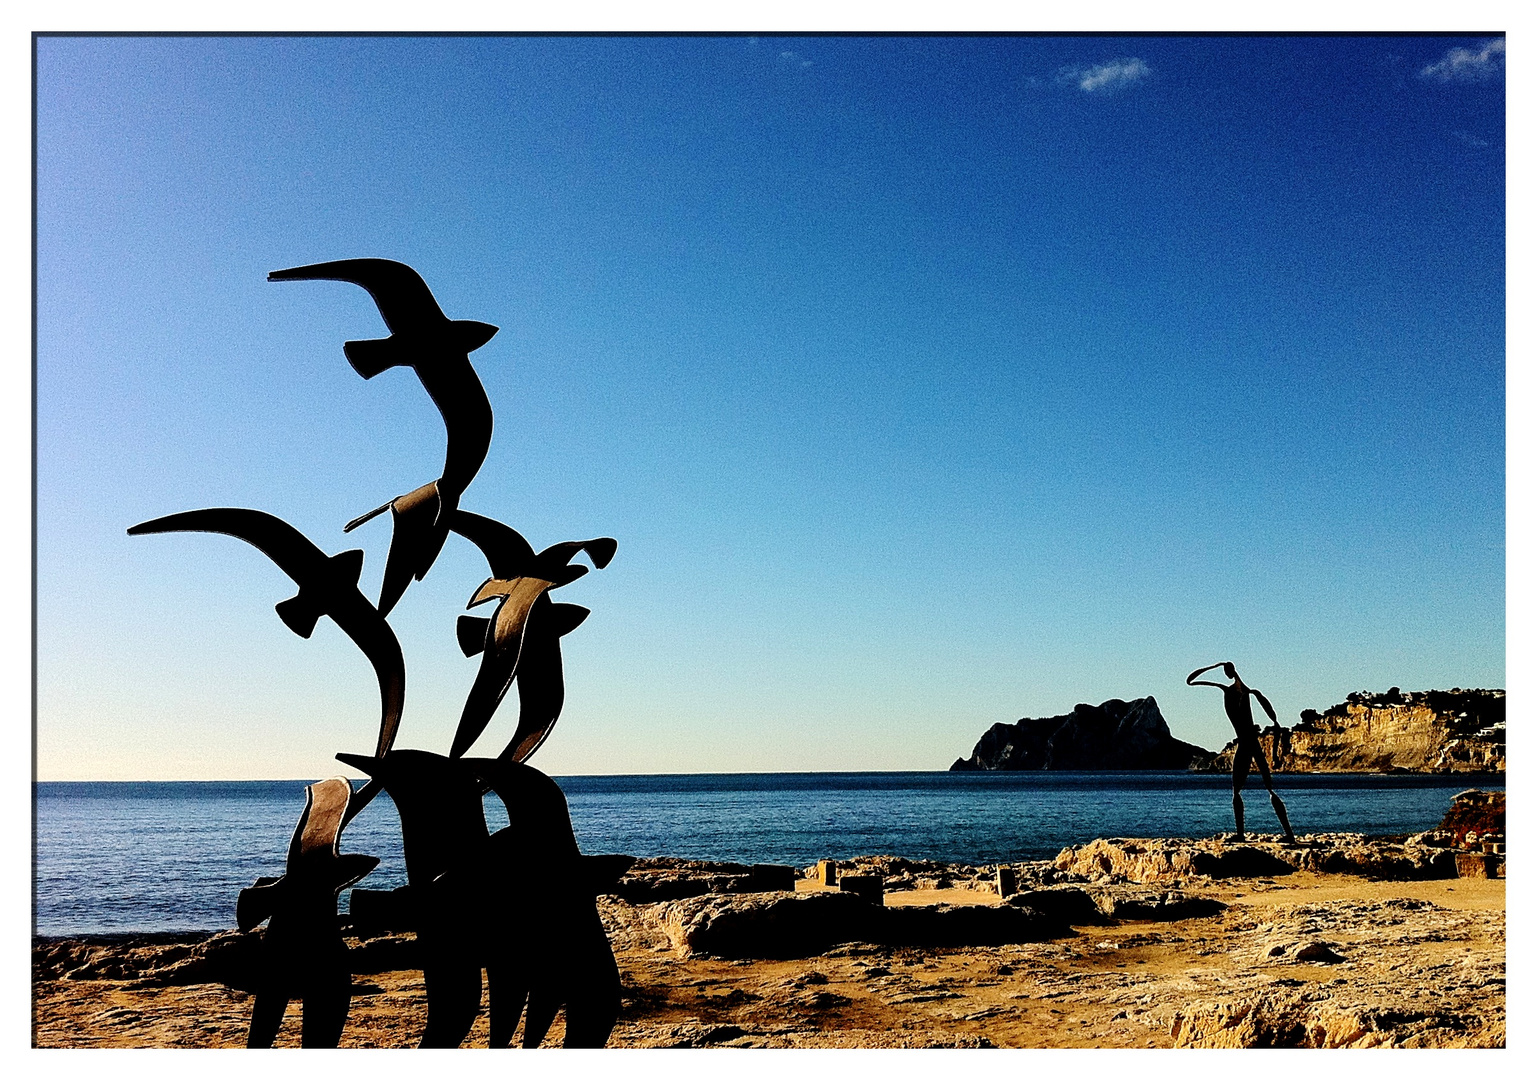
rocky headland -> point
(1113, 735)
(1430, 731)
(1339, 941)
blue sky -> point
(926, 383)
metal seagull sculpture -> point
(544, 942)
(328, 585)
(444, 839)
(521, 640)
(302, 953)
(437, 348)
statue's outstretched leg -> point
(266, 1018)
(1280, 811)
(1275, 800)
(1240, 774)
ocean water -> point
(151, 857)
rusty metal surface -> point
(416, 538)
(500, 645)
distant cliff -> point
(1430, 731)
(1113, 736)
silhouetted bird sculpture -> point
(443, 832)
(522, 639)
(437, 348)
(302, 952)
(328, 585)
(1235, 700)
(545, 940)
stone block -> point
(1006, 881)
(375, 912)
(871, 887)
(769, 877)
(1472, 865)
(827, 873)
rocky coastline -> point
(1429, 731)
(1340, 940)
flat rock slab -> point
(788, 925)
(1171, 861)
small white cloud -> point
(1466, 65)
(1471, 140)
(794, 58)
(1107, 77)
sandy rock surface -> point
(1297, 959)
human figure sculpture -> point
(1235, 700)
(437, 348)
(545, 941)
(524, 631)
(302, 952)
(443, 831)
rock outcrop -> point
(1475, 822)
(1115, 735)
(1430, 731)
(1418, 858)
(659, 879)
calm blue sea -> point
(118, 857)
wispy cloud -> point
(795, 59)
(1471, 140)
(1466, 65)
(1107, 77)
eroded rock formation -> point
(1111, 736)
(1432, 731)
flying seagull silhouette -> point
(526, 622)
(437, 348)
(328, 585)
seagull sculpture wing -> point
(328, 585)
(404, 301)
(508, 554)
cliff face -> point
(1112, 736)
(1432, 731)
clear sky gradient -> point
(926, 383)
